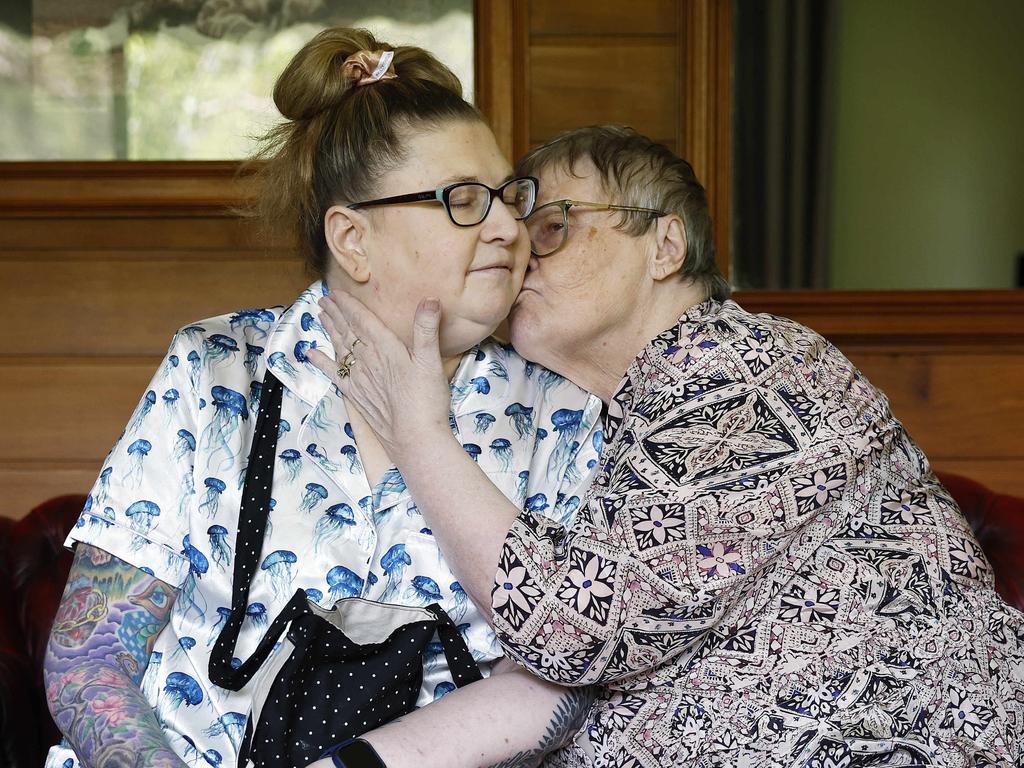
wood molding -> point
(888, 319)
(122, 188)
(706, 99)
(494, 48)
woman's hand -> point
(402, 393)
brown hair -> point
(636, 171)
(339, 138)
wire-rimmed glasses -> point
(549, 225)
(469, 202)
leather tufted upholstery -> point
(35, 565)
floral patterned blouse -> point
(168, 496)
(765, 572)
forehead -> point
(454, 151)
(582, 182)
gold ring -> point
(345, 367)
(354, 343)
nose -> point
(501, 225)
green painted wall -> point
(929, 144)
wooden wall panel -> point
(63, 306)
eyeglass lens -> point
(470, 203)
(547, 228)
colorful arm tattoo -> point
(108, 619)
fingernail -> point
(432, 305)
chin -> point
(527, 335)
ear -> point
(670, 247)
(345, 230)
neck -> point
(599, 364)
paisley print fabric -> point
(765, 572)
(168, 496)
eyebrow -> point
(460, 179)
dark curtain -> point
(782, 111)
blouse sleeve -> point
(138, 507)
(641, 576)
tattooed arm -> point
(106, 624)
(508, 720)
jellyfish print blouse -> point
(168, 495)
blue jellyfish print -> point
(321, 458)
(213, 758)
(432, 655)
(394, 562)
(257, 614)
(142, 412)
(192, 753)
(483, 422)
(300, 350)
(252, 358)
(197, 566)
(255, 390)
(536, 503)
(211, 500)
(461, 599)
(442, 688)
(473, 450)
(103, 490)
(220, 550)
(170, 399)
(567, 424)
(141, 513)
(318, 419)
(501, 449)
(223, 614)
(315, 493)
(284, 426)
(567, 509)
(186, 490)
(192, 332)
(230, 724)
(342, 582)
(597, 440)
(522, 484)
(497, 369)
(528, 369)
(349, 432)
(331, 525)
(68, 763)
(314, 594)
(349, 452)
(423, 590)
(463, 630)
(291, 460)
(229, 409)
(521, 418)
(480, 385)
(184, 444)
(259, 320)
(194, 364)
(279, 565)
(270, 520)
(310, 323)
(549, 380)
(181, 689)
(137, 453)
(185, 644)
(390, 482)
(218, 348)
(279, 362)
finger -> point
(324, 363)
(342, 337)
(425, 343)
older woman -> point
(394, 185)
(765, 570)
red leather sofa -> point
(34, 565)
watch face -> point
(357, 754)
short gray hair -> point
(640, 172)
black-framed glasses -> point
(549, 225)
(469, 202)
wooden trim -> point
(888, 319)
(122, 188)
(521, 77)
(706, 99)
(494, 48)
